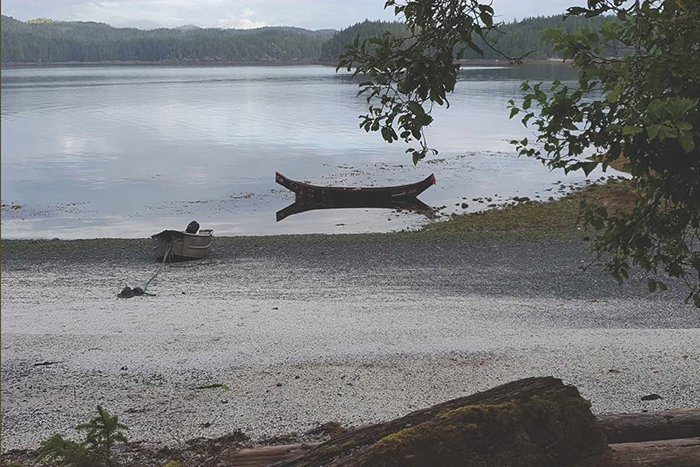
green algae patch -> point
(535, 220)
(537, 432)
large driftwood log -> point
(265, 456)
(652, 426)
(666, 453)
(536, 422)
(655, 439)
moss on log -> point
(535, 422)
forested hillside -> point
(514, 39)
(54, 41)
(336, 45)
(45, 40)
(519, 38)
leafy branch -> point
(406, 76)
(647, 118)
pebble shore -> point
(273, 335)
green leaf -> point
(631, 130)
(415, 131)
(416, 108)
(486, 18)
(653, 131)
(576, 10)
(588, 167)
(666, 132)
(687, 142)
(614, 95)
(513, 112)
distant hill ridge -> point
(46, 40)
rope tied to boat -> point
(128, 292)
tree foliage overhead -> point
(636, 101)
(648, 117)
(412, 68)
(409, 72)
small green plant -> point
(101, 433)
(63, 452)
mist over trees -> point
(45, 40)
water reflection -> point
(102, 151)
(399, 205)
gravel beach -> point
(300, 330)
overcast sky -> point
(310, 14)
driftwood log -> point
(267, 456)
(665, 453)
(654, 426)
(510, 420)
(536, 422)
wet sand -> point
(302, 330)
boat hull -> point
(308, 193)
(185, 246)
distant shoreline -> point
(169, 63)
(233, 63)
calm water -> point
(129, 151)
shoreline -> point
(526, 220)
(295, 331)
(234, 63)
(169, 63)
(304, 330)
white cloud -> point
(240, 23)
(311, 14)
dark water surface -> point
(128, 151)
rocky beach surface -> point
(275, 335)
